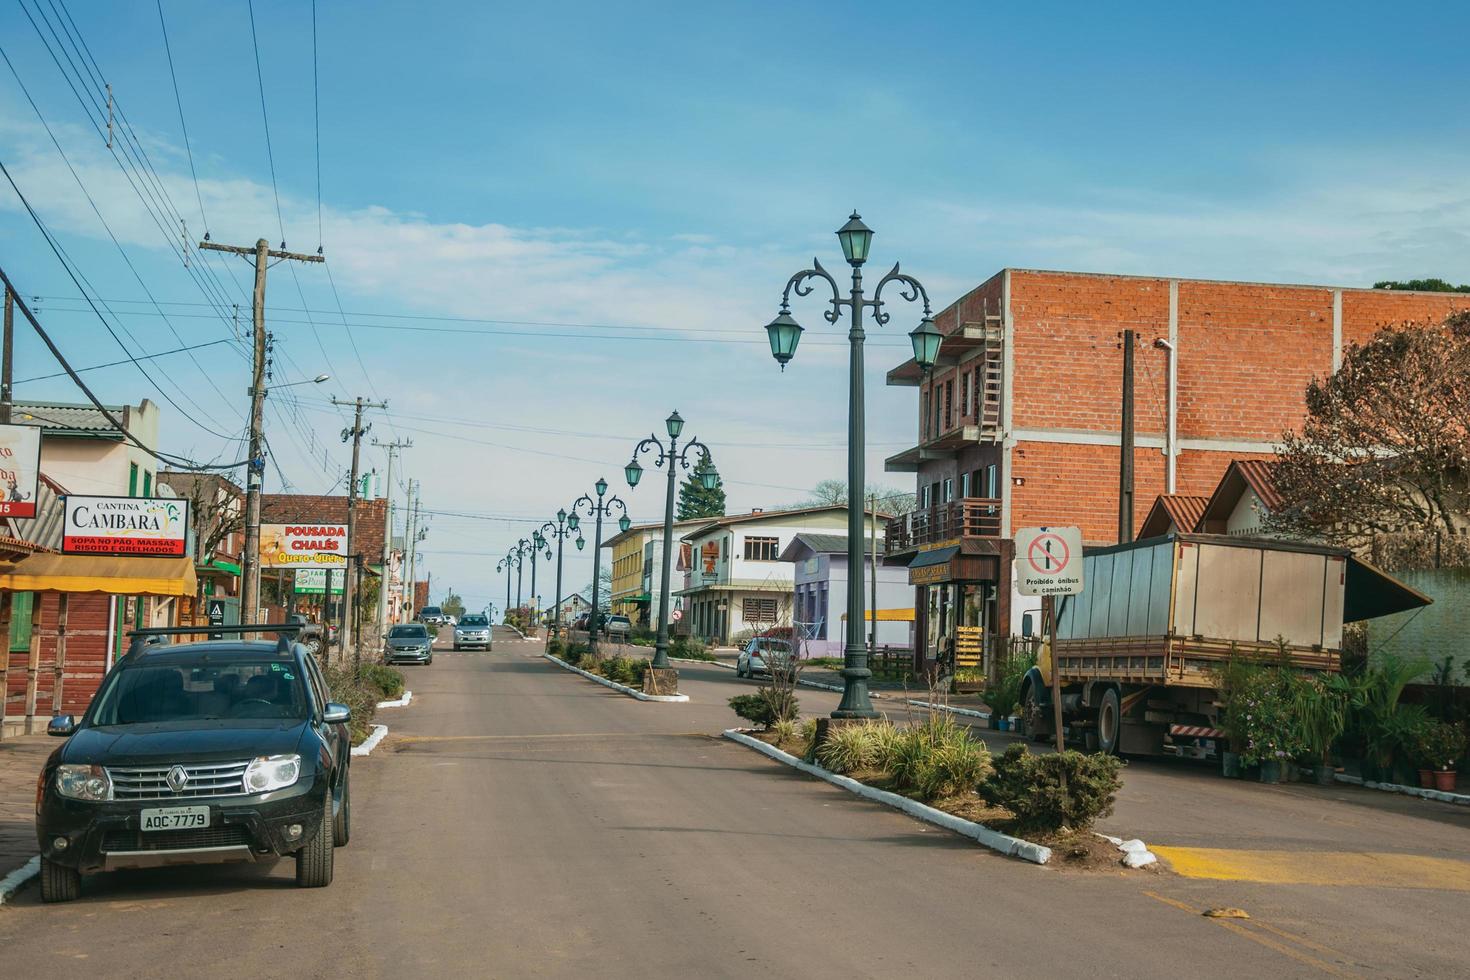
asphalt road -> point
(520, 821)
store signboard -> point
(130, 526)
(313, 581)
(20, 470)
(303, 545)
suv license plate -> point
(175, 818)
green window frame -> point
(147, 483)
(132, 479)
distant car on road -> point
(310, 635)
(472, 631)
(759, 654)
(210, 752)
(619, 626)
(432, 616)
(580, 623)
(409, 643)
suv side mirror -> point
(336, 714)
(62, 726)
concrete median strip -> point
(620, 688)
(371, 742)
(993, 839)
(12, 882)
(1439, 796)
(399, 703)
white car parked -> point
(758, 653)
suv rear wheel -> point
(314, 861)
(59, 883)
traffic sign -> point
(216, 610)
(1049, 561)
(676, 615)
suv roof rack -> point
(143, 637)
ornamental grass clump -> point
(933, 759)
(849, 748)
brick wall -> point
(1246, 352)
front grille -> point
(151, 782)
(226, 835)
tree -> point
(831, 492)
(694, 500)
(216, 511)
(1384, 451)
(604, 590)
(453, 604)
(1423, 285)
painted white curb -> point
(371, 742)
(400, 703)
(11, 883)
(620, 688)
(968, 712)
(1462, 799)
(704, 663)
(993, 839)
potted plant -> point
(1443, 744)
(1321, 715)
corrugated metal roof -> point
(62, 419)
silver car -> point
(409, 643)
(759, 654)
(472, 631)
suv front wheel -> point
(59, 883)
(314, 861)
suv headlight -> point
(89, 783)
(270, 772)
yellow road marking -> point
(1361, 868)
(1240, 929)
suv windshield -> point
(147, 694)
(474, 621)
(408, 633)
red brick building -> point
(1019, 423)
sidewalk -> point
(21, 759)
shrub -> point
(387, 680)
(752, 707)
(848, 748)
(1441, 745)
(347, 687)
(1030, 786)
(688, 648)
(784, 731)
(808, 731)
(556, 648)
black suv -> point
(198, 753)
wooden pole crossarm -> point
(273, 253)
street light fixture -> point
(600, 508)
(560, 531)
(784, 333)
(504, 565)
(708, 477)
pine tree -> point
(695, 501)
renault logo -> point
(177, 779)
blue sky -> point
(631, 166)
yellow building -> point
(636, 556)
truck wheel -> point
(342, 823)
(314, 861)
(1109, 722)
(59, 883)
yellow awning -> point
(109, 575)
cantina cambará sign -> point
(129, 526)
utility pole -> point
(393, 448)
(262, 253)
(349, 589)
(413, 546)
(1125, 443)
(7, 356)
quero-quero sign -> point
(303, 545)
(130, 526)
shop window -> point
(964, 484)
(762, 549)
(948, 490)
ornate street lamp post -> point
(538, 547)
(707, 476)
(784, 333)
(563, 528)
(504, 566)
(602, 507)
(521, 550)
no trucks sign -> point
(1049, 561)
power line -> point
(316, 110)
(179, 102)
(265, 120)
(144, 357)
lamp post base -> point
(661, 680)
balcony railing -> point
(968, 517)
